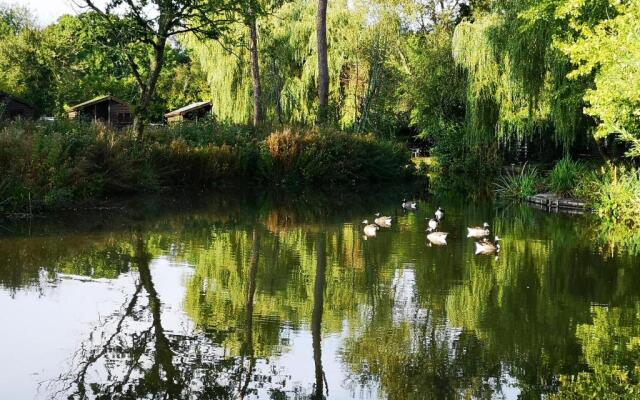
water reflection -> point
(254, 299)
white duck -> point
(437, 238)
(478, 232)
(382, 220)
(486, 247)
(370, 230)
(439, 214)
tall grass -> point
(60, 164)
(333, 157)
(518, 185)
(565, 176)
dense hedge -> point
(60, 164)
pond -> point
(248, 297)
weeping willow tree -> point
(360, 54)
(517, 84)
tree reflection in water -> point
(130, 355)
(316, 319)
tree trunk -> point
(323, 65)
(255, 72)
(148, 88)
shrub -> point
(179, 164)
(565, 176)
(617, 197)
(518, 185)
(332, 157)
(460, 167)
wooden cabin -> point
(192, 112)
(106, 109)
(14, 108)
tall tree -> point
(323, 64)
(140, 26)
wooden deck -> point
(553, 203)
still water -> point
(241, 297)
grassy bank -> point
(46, 166)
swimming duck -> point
(433, 224)
(409, 205)
(439, 214)
(478, 232)
(382, 220)
(437, 238)
(484, 246)
(370, 229)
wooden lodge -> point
(106, 109)
(192, 112)
(14, 108)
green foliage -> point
(364, 77)
(516, 75)
(77, 58)
(60, 164)
(607, 50)
(333, 157)
(617, 197)
(565, 176)
(518, 185)
(54, 165)
(434, 87)
(460, 168)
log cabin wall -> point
(120, 115)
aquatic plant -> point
(565, 175)
(518, 185)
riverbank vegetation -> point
(61, 164)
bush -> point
(55, 165)
(518, 185)
(616, 197)
(565, 176)
(333, 157)
(460, 167)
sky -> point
(47, 11)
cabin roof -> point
(191, 107)
(14, 98)
(96, 100)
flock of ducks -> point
(434, 236)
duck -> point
(437, 238)
(370, 229)
(439, 214)
(409, 205)
(478, 232)
(382, 220)
(484, 246)
(433, 224)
